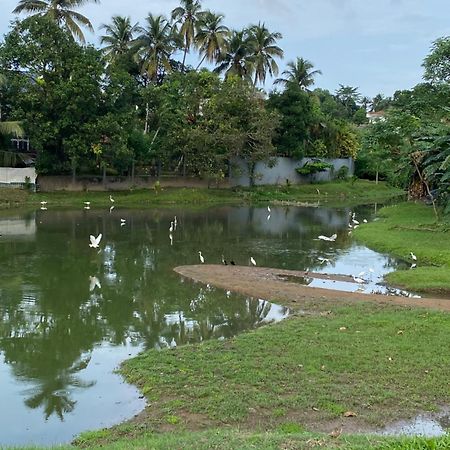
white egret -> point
(93, 283)
(43, 208)
(223, 261)
(171, 238)
(268, 209)
(111, 209)
(43, 203)
(228, 293)
(359, 280)
(87, 207)
(413, 266)
(171, 227)
(111, 199)
(268, 217)
(365, 220)
(355, 221)
(173, 343)
(175, 222)
(413, 256)
(252, 260)
(332, 238)
(323, 260)
(87, 203)
(202, 260)
(95, 241)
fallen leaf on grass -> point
(350, 414)
(336, 433)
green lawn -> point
(360, 191)
(293, 376)
(412, 227)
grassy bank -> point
(302, 374)
(360, 191)
(412, 227)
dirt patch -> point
(276, 285)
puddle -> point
(427, 425)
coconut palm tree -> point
(348, 95)
(299, 72)
(264, 50)
(237, 57)
(119, 36)
(187, 15)
(61, 11)
(211, 36)
(156, 44)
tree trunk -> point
(184, 166)
(201, 62)
(376, 177)
(147, 115)
(74, 171)
(132, 172)
(251, 173)
(104, 175)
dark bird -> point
(232, 263)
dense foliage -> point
(137, 105)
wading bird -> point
(332, 238)
(95, 241)
(111, 199)
(252, 260)
(413, 256)
(202, 260)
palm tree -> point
(299, 73)
(211, 36)
(348, 95)
(60, 11)
(156, 44)
(187, 15)
(237, 57)
(118, 37)
(264, 51)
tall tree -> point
(156, 45)
(437, 63)
(211, 36)
(299, 72)
(237, 58)
(348, 95)
(187, 16)
(264, 50)
(119, 37)
(60, 11)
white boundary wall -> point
(11, 176)
(284, 171)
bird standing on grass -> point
(202, 260)
(111, 199)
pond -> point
(70, 313)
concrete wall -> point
(284, 169)
(16, 177)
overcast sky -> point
(377, 45)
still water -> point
(70, 313)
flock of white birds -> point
(94, 242)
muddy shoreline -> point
(275, 285)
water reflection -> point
(70, 313)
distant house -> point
(376, 116)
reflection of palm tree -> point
(53, 393)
